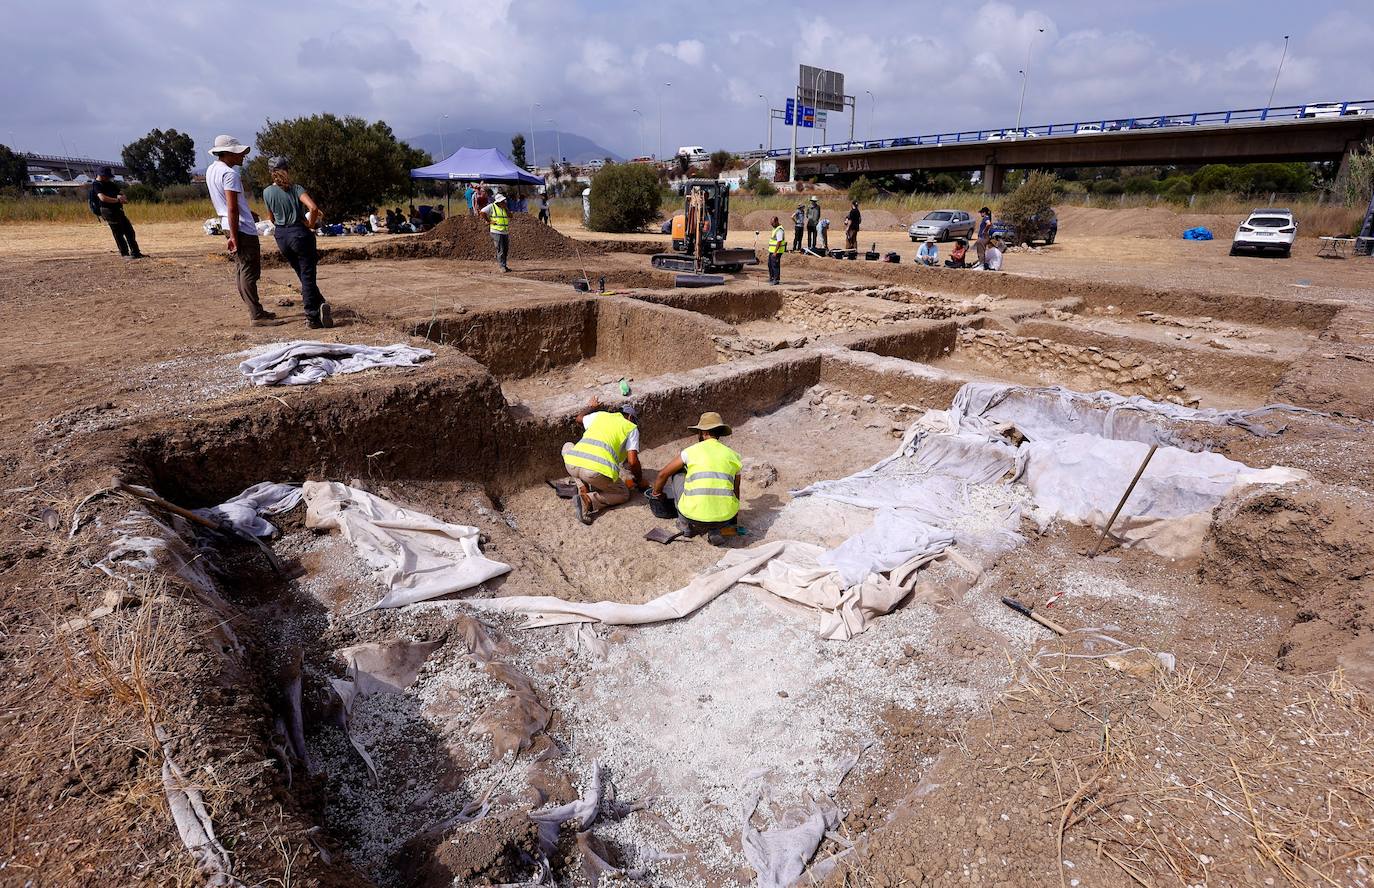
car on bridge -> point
(1038, 228)
(942, 225)
(1266, 229)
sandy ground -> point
(995, 759)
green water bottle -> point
(624, 387)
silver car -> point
(942, 225)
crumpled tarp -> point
(1198, 233)
(779, 855)
(419, 556)
(193, 822)
(303, 362)
(895, 538)
(244, 511)
(1080, 478)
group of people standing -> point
(807, 220)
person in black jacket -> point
(851, 226)
(106, 191)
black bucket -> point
(661, 506)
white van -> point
(693, 152)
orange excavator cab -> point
(699, 232)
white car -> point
(1266, 229)
(1089, 128)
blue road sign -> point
(807, 118)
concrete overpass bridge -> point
(71, 167)
(1326, 132)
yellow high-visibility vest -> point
(778, 242)
(602, 448)
(500, 219)
(709, 491)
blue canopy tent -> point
(477, 165)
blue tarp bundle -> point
(1198, 233)
(476, 165)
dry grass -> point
(66, 210)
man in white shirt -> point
(230, 198)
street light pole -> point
(639, 125)
(1025, 76)
(558, 137)
(769, 113)
(534, 149)
(440, 120)
(872, 109)
(667, 85)
(1283, 57)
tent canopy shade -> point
(476, 165)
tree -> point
(14, 169)
(517, 150)
(719, 162)
(1033, 199)
(1359, 177)
(346, 163)
(625, 197)
(862, 190)
(161, 158)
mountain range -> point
(576, 149)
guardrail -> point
(1310, 111)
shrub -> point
(765, 188)
(862, 190)
(1108, 186)
(1034, 198)
(720, 162)
(182, 193)
(141, 192)
(625, 197)
(14, 169)
(1139, 185)
(944, 183)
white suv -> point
(1268, 229)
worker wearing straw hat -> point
(703, 482)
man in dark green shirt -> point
(295, 217)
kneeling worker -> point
(703, 481)
(610, 439)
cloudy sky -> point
(89, 76)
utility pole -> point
(440, 123)
(640, 126)
(1282, 58)
(667, 85)
(872, 109)
(557, 136)
(1025, 76)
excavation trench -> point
(482, 722)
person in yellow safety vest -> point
(498, 220)
(609, 440)
(703, 482)
(777, 245)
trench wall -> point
(910, 340)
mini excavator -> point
(699, 232)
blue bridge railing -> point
(1312, 110)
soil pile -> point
(464, 237)
(1311, 545)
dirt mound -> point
(463, 237)
(1311, 545)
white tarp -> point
(419, 556)
(1080, 479)
(303, 362)
(244, 512)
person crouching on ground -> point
(992, 256)
(956, 256)
(105, 191)
(929, 254)
(777, 245)
(610, 440)
(703, 482)
(295, 216)
(227, 193)
(498, 221)
(824, 231)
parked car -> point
(1089, 128)
(694, 153)
(1040, 228)
(595, 164)
(942, 225)
(1266, 229)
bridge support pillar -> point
(992, 178)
